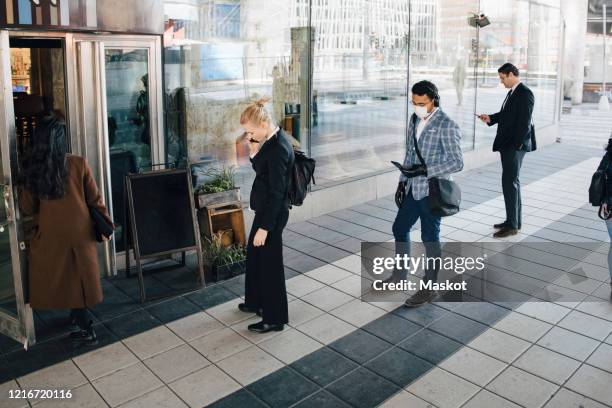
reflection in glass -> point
(129, 139)
(8, 302)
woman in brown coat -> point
(63, 259)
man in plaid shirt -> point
(439, 141)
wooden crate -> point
(223, 217)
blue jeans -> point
(408, 214)
(609, 225)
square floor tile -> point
(173, 309)
(153, 342)
(249, 365)
(486, 399)
(8, 402)
(482, 312)
(587, 325)
(220, 344)
(228, 312)
(592, 382)
(602, 357)
(84, 396)
(443, 389)
(423, 315)
(302, 285)
(522, 388)
(127, 384)
(240, 398)
(328, 274)
(132, 324)
(176, 363)
(283, 388)
(211, 296)
(399, 366)
(568, 343)
(430, 346)
(360, 346)
(569, 399)
(547, 364)
(323, 366)
(405, 399)
(327, 298)
(351, 263)
(392, 328)
(192, 327)
(105, 360)
(499, 345)
(62, 376)
(161, 397)
(473, 366)
(524, 327)
(301, 312)
(359, 313)
(326, 328)
(350, 286)
(546, 311)
(363, 389)
(458, 327)
(204, 387)
(322, 399)
(290, 345)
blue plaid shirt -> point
(440, 146)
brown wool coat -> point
(63, 259)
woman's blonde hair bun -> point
(256, 112)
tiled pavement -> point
(194, 350)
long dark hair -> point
(45, 167)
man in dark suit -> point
(515, 136)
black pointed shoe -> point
(420, 298)
(262, 327)
(243, 307)
(84, 337)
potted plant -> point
(223, 262)
(218, 189)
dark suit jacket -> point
(514, 130)
(273, 165)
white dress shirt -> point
(510, 94)
(424, 123)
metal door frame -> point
(20, 327)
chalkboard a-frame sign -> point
(162, 219)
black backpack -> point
(599, 185)
(301, 175)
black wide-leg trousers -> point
(265, 273)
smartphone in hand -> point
(399, 166)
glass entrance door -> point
(15, 315)
(119, 119)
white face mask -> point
(421, 111)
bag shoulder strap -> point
(414, 139)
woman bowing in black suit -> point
(272, 158)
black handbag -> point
(102, 226)
(444, 196)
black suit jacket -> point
(515, 130)
(273, 165)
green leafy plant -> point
(216, 255)
(220, 179)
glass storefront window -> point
(220, 56)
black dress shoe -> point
(501, 225)
(420, 298)
(243, 307)
(262, 327)
(505, 232)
